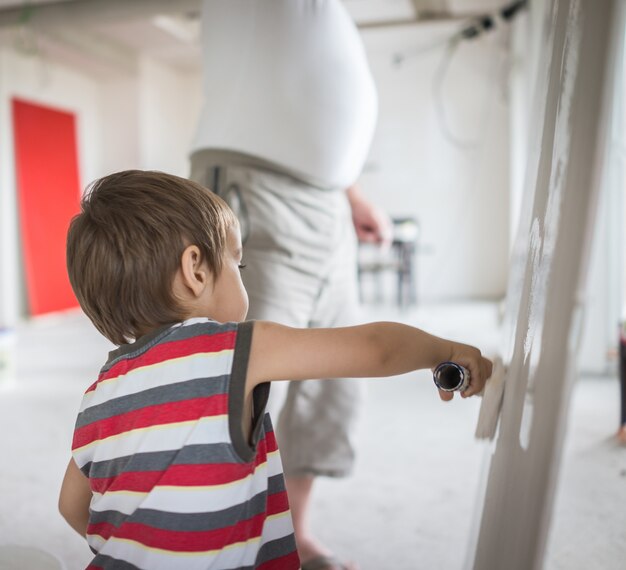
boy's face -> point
(228, 299)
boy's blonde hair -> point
(125, 246)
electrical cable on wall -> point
(482, 161)
(476, 28)
(437, 86)
(27, 42)
(480, 157)
(25, 39)
(471, 30)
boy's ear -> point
(195, 274)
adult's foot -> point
(309, 548)
(299, 490)
(326, 563)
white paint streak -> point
(544, 235)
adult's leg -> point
(280, 276)
(312, 238)
(299, 251)
(319, 416)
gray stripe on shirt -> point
(195, 521)
(160, 460)
(186, 522)
(109, 563)
(276, 548)
(165, 334)
(179, 391)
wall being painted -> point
(604, 295)
(566, 168)
(459, 193)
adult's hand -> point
(371, 223)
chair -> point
(400, 259)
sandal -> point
(323, 563)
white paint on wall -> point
(604, 294)
(526, 38)
(572, 135)
(460, 196)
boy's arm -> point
(373, 350)
(74, 498)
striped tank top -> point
(175, 483)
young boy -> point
(175, 463)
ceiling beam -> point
(85, 50)
(75, 13)
(422, 18)
(430, 6)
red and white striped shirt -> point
(175, 483)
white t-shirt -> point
(287, 81)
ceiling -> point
(113, 32)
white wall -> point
(148, 118)
(604, 294)
(119, 112)
(169, 106)
(41, 81)
(459, 195)
(124, 120)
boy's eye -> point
(242, 266)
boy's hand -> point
(479, 368)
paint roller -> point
(490, 407)
(452, 377)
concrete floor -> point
(409, 506)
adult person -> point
(289, 112)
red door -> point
(48, 186)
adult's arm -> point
(371, 223)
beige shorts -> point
(300, 256)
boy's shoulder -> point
(199, 334)
(172, 346)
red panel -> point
(49, 193)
